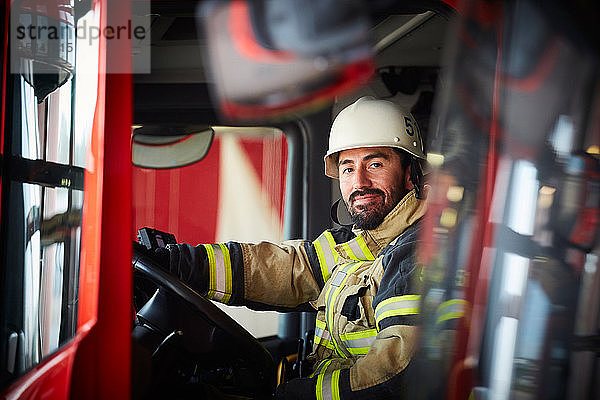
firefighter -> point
(363, 282)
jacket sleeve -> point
(278, 276)
(262, 275)
(383, 371)
(381, 374)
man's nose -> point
(361, 179)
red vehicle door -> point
(64, 267)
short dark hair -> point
(404, 157)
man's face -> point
(372, 181)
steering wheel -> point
(185, 322)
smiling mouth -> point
(365, 198)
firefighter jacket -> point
(363, 284)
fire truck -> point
(128, 122)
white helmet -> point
(369, 122)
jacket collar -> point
(368, 243)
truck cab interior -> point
(179, 94)
(216, 131)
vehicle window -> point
(44, 154)
(235, 193)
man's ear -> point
(407, 182)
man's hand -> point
(185, 262)
(162, 257)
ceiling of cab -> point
(410, 40)
(176, 88)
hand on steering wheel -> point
(239, 342)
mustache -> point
(357, 193)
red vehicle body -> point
(94, 360)
(94, 357)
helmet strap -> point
(334, 213)
(416, 177)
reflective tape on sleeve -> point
(220, 281)
(328, 384)
(451, 309)
(397, 306)
(325, 249)
(359, 343)
(335, 385)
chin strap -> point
(416, 177)
(334, 213)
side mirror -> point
(159, 147)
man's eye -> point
(347, 170)
(376, 164)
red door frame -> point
(97, 362)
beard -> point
(370, 216)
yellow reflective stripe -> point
(212, 276)
(356, 249)
(325, 249)
(228, 277)
(363, 246)
(453, 302)
(451, 309)
(328, 385)
(397, 306)
(333, 291)
(359, 343)
(332, 245)
(406, 297)
(327, 344)
(359, 351)
(321, 257)
(319, 366)
(322, 335)
(449, 316)
(320, 378)
(335, 385)
(359, 335)
(349, 251)
(330, 300)
(319, 388)
(220, 280)
(322, 262)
